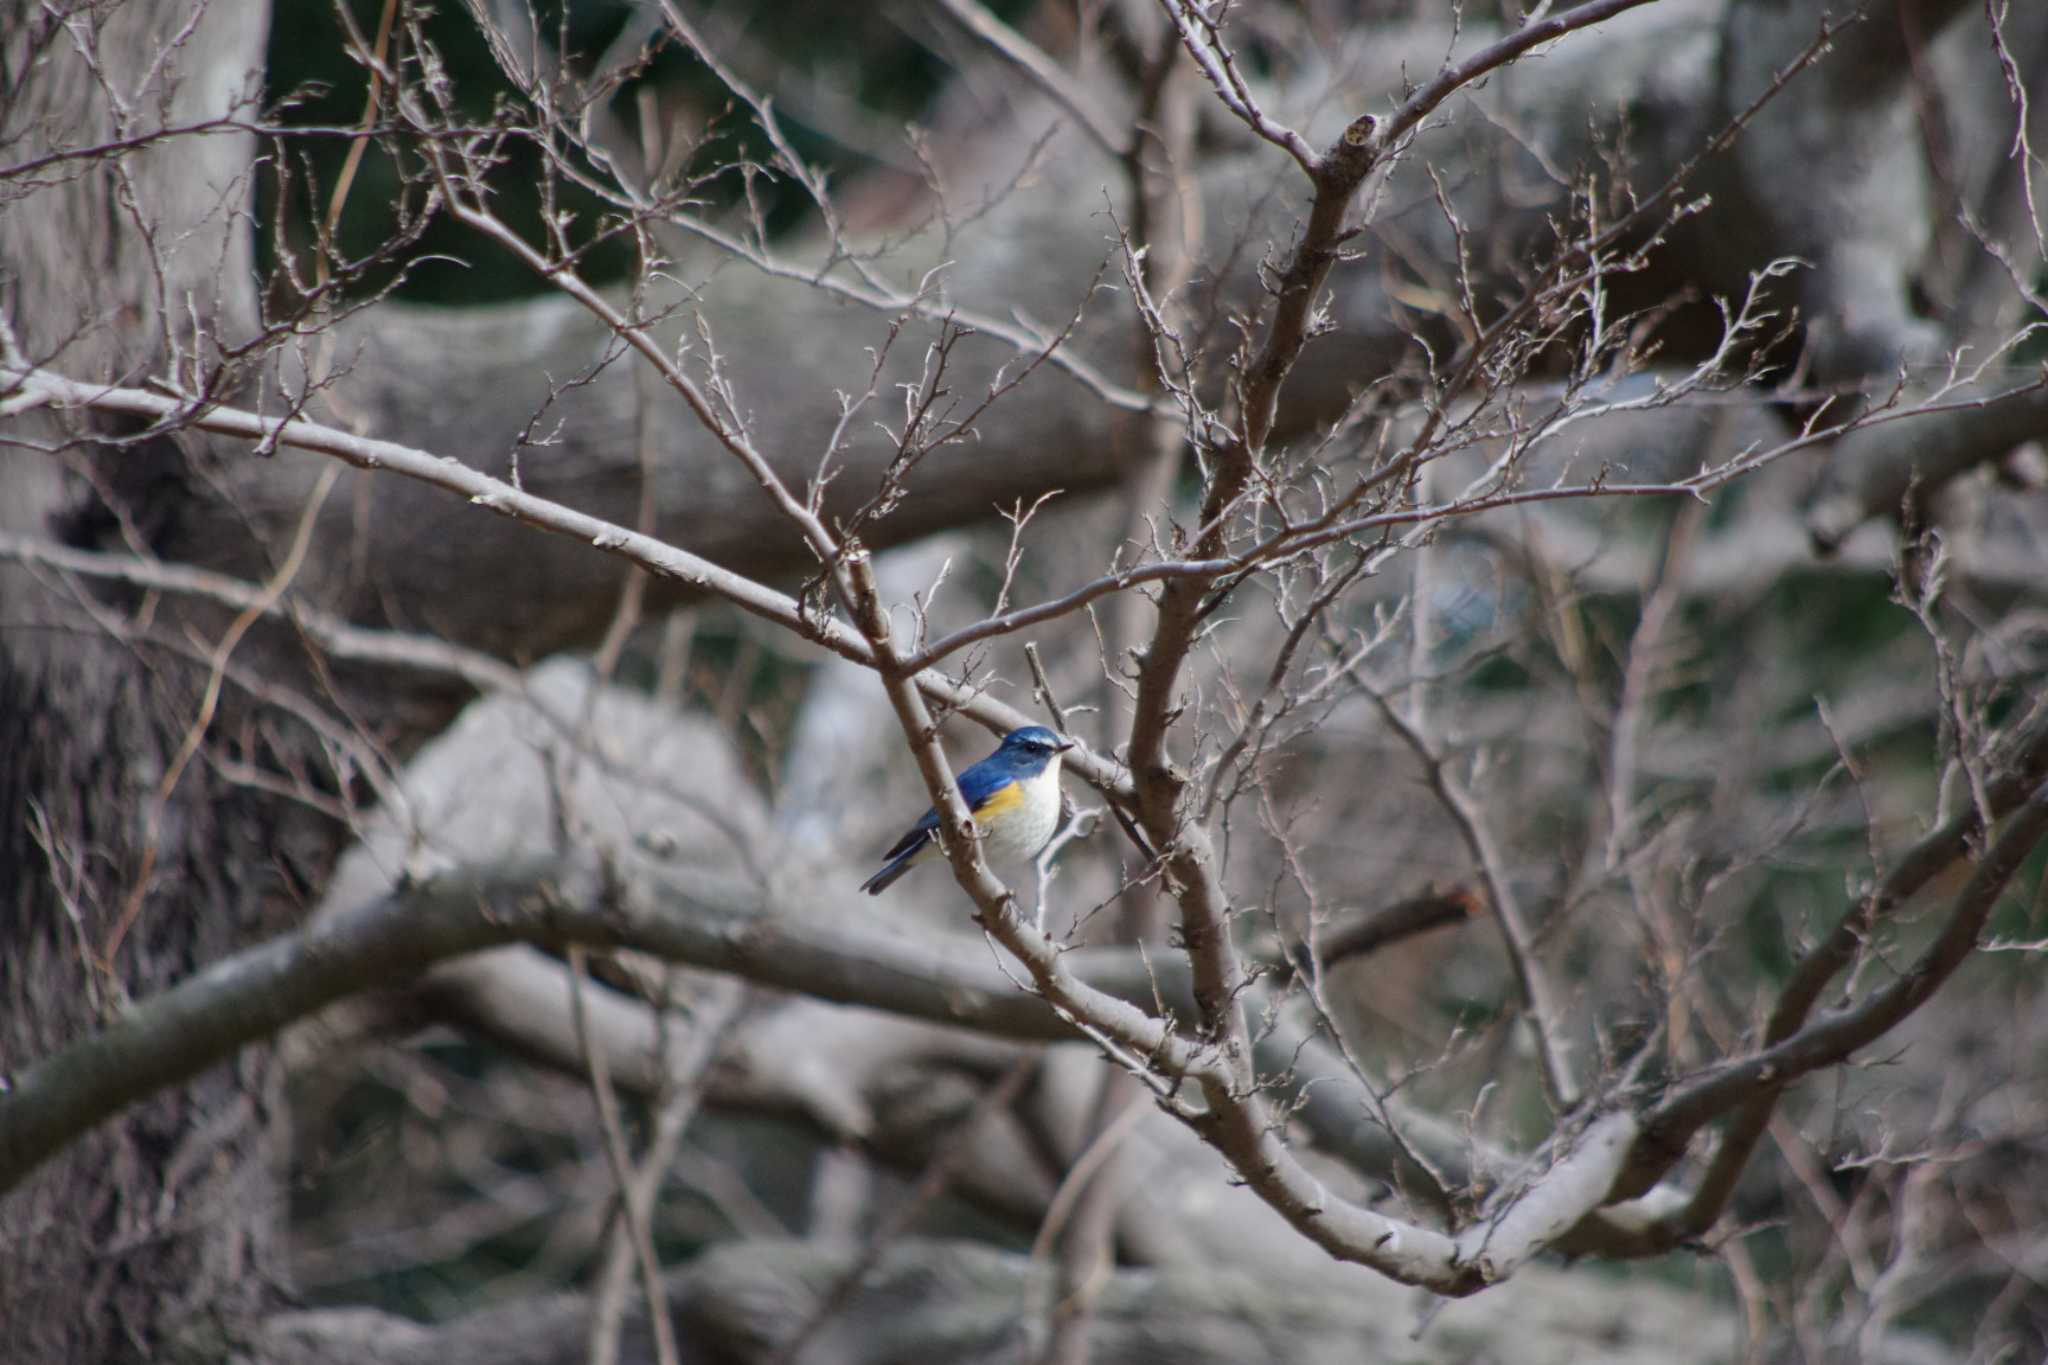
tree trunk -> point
(172, 1209)
(172, 1212)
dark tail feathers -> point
(892, 869)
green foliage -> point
(315, 84)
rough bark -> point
(171, 1213)
(172, 1210)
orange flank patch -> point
(1000, 802)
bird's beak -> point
(1065, 745)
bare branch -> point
(1836, 1035)
(1527, 38)
(335, 636)
(1202, 35)
(2026, 765)
(1044, 73)
(498, 496)
(1539, 999)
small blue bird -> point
(1014, 794)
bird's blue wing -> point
(984, 780)
(977, 784)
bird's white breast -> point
(1020, 834)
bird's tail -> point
(886, 878)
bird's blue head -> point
(1031, 748)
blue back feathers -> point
(1021, 756)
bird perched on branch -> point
(1014, 794)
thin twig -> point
(633, 1204)
(1030, 59)
(496, 495)
(1534, 34)
(1752, 1085)
(336, 636)
(686, 1066)
(1639, 678)
(2025, 764)
(195, 733)
(1532, 980)
(953, 1153)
